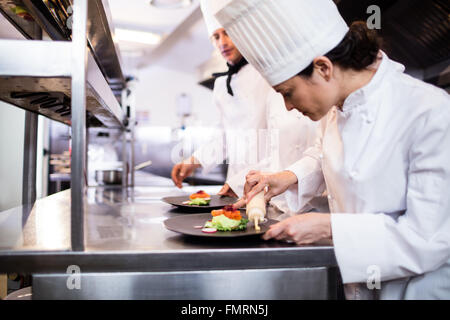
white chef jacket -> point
(256, 109)
(385, 161)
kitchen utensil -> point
(108, 176)
(114, 176)
(142, 165)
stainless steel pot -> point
(114, 176)
(108, 176)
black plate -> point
(186, 225)
(217, 202)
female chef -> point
(248, 106)
(383, 152)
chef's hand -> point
(304, 228)
(257, 181)
(227, 191)
(183, 170)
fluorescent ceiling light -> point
(170, 4)
(137, 36)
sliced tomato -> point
(216, 213)
(227, 212)
(233, 215)
(199, 194)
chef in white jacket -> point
(383, 152)
(259, 131)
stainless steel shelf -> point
(102, 45)
(20, 73)
(25, 24)
(124, 232)
(99, 32)
(35, 58)
(77, 82)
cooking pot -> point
(114, 176)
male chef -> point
(249, 108)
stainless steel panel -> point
(256, 284)
(109, 111)
(48, 19)
(19, 72)
(30, 150)
(44, 225)
(99, 32)
(124, 176)
(79, 145)
(27, 27)
(125, 232)
(100, 39)
(30, 158)
(34, 58)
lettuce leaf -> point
(222, 223)
(199, 202)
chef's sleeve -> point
(419, 240)
(237, 181)
(308, 170)
(211, 153)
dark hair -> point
(357, 51)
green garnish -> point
(223, 223)
(199, 202)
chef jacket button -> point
(321, 156)
(329, 197)
(354, 174)
(298, 146)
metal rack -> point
(77, 82)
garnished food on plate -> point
(200, 198)
(198, 202)
(199, 194)
(226, 219)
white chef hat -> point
(280, 38)
(209, 8)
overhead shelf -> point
(102, 45)
(22, 21)
(75, 79)
(45, 87)
(53, 17)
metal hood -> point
(415, 33)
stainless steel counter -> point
(124, 232)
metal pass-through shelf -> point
(75, 79)
(36, 75)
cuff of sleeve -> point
(237, 183)
(207, 164)
(359, 243)
(310, 183)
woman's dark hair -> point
(357, 51)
